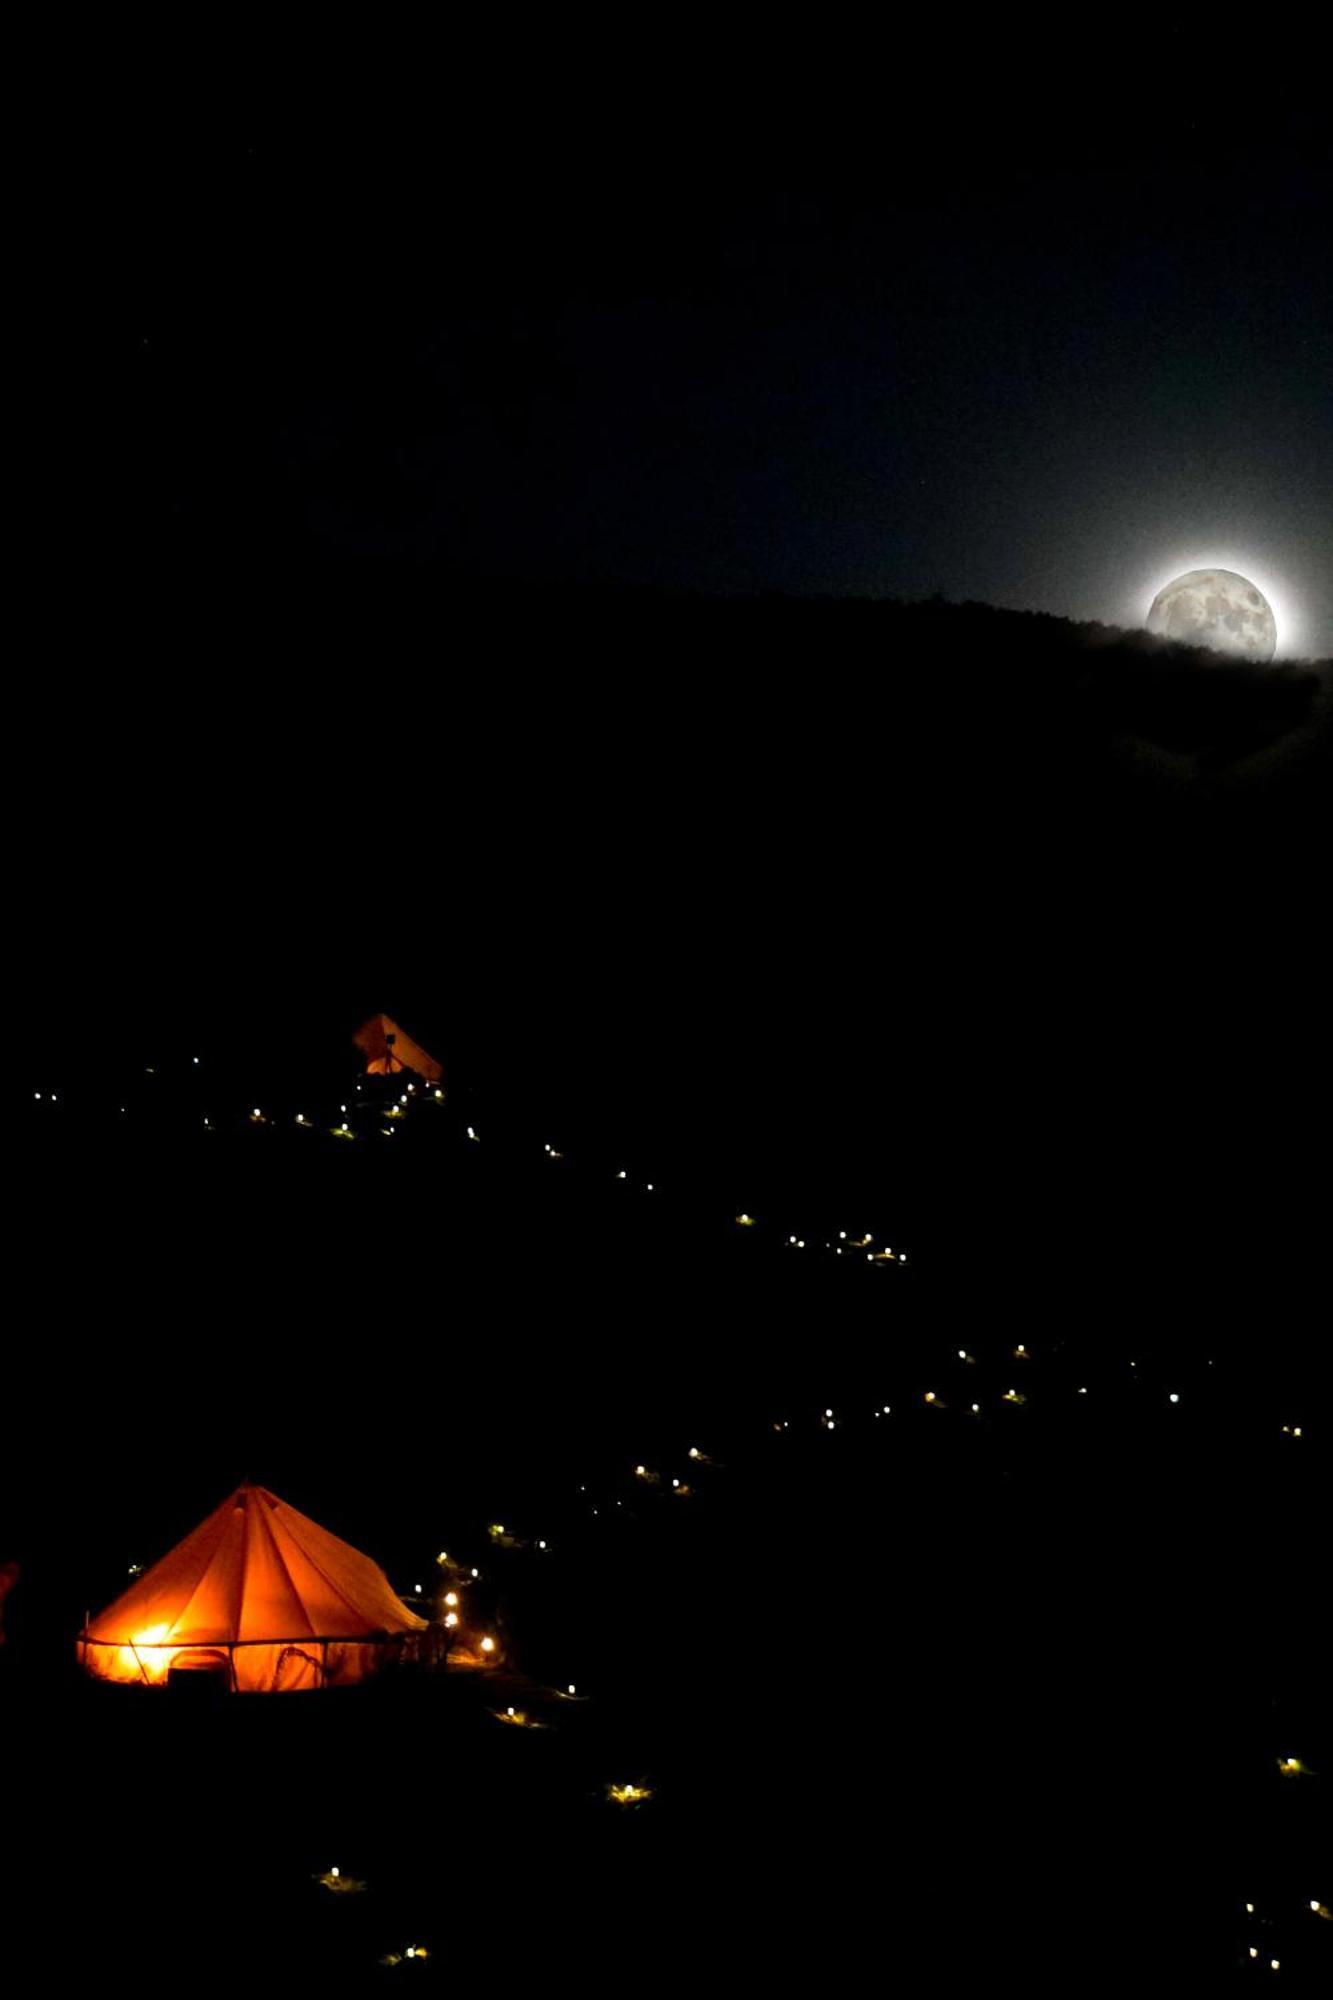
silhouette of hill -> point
(971, 910)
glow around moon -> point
(1217, 608)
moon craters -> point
(1218, 609)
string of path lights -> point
(388, 1120)
(829, 1419)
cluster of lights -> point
(394, 1113)
(1254, 1952)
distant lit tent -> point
(389, 1051)
(259, 1594)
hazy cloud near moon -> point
(1216, 608)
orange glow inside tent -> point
(388, 1051)
(259, 1593)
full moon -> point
(1216, 608)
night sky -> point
(1036, 349)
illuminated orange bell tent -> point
(258, 1594)
(388, 1051)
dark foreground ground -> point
(926, 1697)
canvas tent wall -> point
(388, 1051)
(259, 1593)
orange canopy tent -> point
(259, 1593)
(388, 1050)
